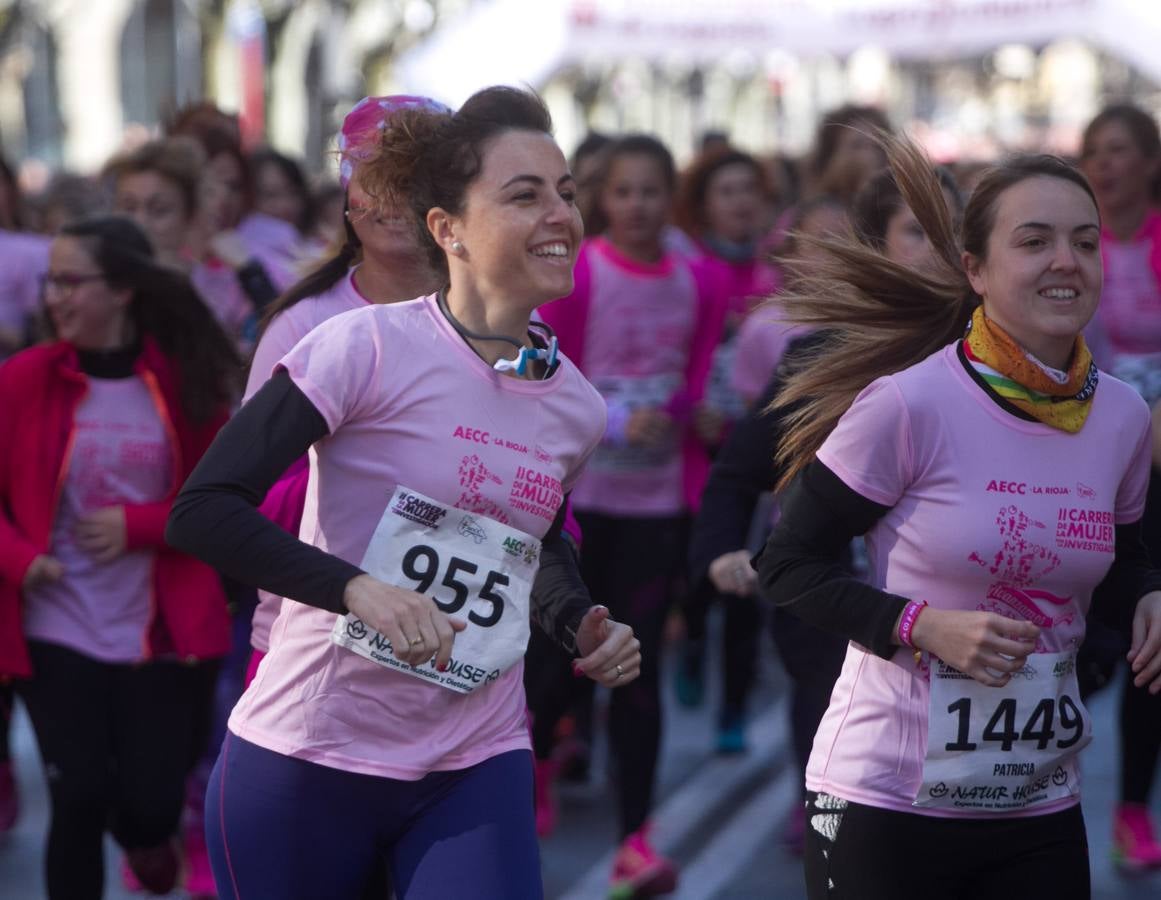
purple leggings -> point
(277, 826)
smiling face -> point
(85, 310)
(733, 202)
(519, 232)
(387, 235)
(1041, 280)
(1117, 167)
(636, 199)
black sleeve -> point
(742, 471)
(216, 517)
(256, 284)
(801, 568)
(1130, 578)
(559, 596)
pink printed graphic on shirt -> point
(473, 476)
(1019, 564)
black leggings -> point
(741, 638)
(115, 743)
(856, 852)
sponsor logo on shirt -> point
(998, 486)
(519, 549)
(418, 511)
(470, 527)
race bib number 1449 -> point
(1007, 748)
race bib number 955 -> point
(472, 567)
(1007, 748)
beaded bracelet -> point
(907, 624)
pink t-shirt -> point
(762, 343)
(1130, 309)
(988, 512)
(284, 253)
(409, 403)
(120, 454)
(23, 259)
(218, 286)
(291, 325)
(638, 336)
(287, 329)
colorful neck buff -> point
(1059, 399)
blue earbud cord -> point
(520, 364)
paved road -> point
(719, 816)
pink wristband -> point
(907, 621)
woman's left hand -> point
(101, 533)
(1145, 650)
(610, 654)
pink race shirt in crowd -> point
(23, 260)
(409, 403)
(988, 512)
(762, 343)
(637, 343)
(287, 329)
(120, 454)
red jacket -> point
(40, 390)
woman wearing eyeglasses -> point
(99, 618)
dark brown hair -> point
(879, 200)
(595, 219)
(179, 160)
(689, 207)
(881, 317)
(1142, 128)
(166, 306)
(427, 159)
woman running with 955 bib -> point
(1000, 481)
(444, 433)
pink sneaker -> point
(1135, 846)
(545, 791)
(639, 870)
(128, 879)
(199, 877)
(9, 798)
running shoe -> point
(689, 680)
(544, 774)
(1135, 844)
(732, 731)
(640, 871)
(9, 798)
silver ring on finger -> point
(416, 641)
(620, 672)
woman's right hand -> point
(43, 569)
(986, 646)
(415, 626)
(731, 573)
(648, 427)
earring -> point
(457, 247)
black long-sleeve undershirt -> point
(800, 568)
(216, 517)
(743, 470)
